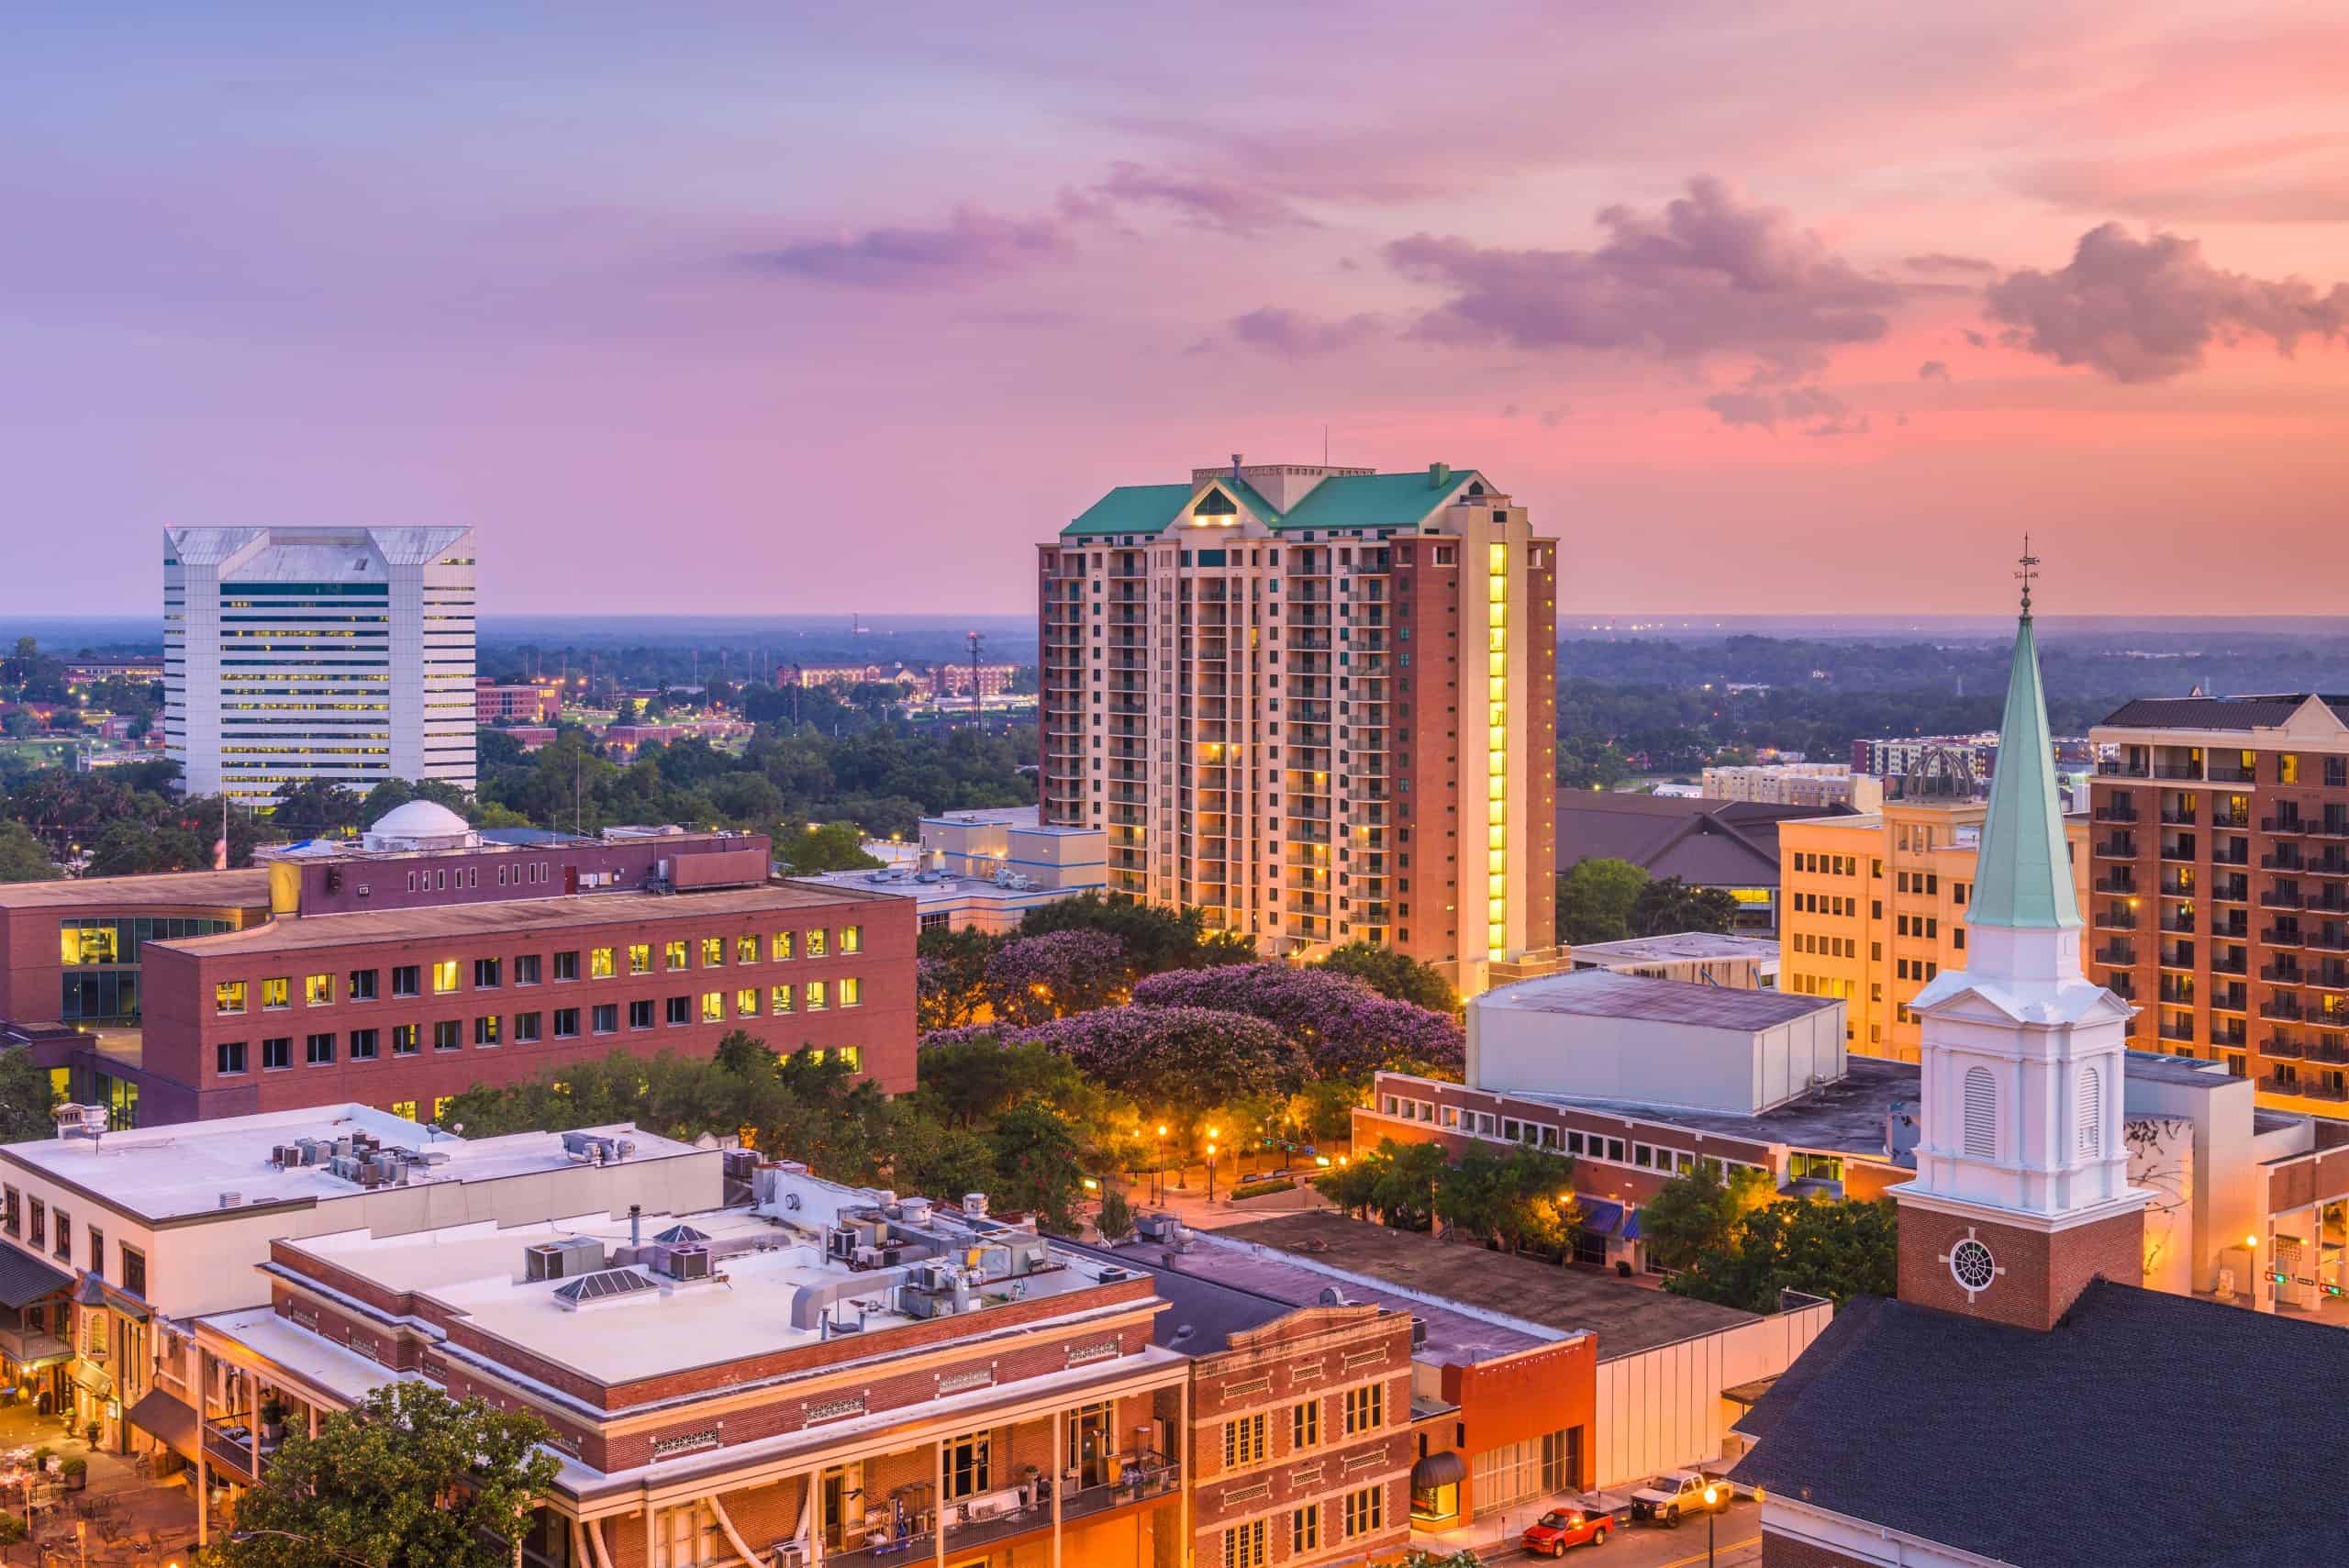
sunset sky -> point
(780, 308)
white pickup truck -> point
(1676, 1492)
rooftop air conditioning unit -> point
(688, 1261)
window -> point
(1365, 1409)
(672, 955)
(362, 985)
(1305, 1424)
(1981, 1101)
(404, 1041)
(566, 1023)
(526, 1027)
(97, 1252)
(815, 942)
(2091, 1111)
(782, 996)
(134, 1270)
(448, 1034)
(276, 994)
(362, 1044)
(485, 974)
(713, 1007)
(404, 1109)
(746, 950)
(640, 958)
(1365, 1511)
(276, 1055)
(485, 1029)
(407, 980)
(969, 1463)
(1243, 1441)
(599, 963)
(746, 1001)
(566, 966)
(444, 977)
(851, 939)
(228, 996)
(782, 946)
(1814, 1167)
(1305, 1530)
(680, 1010)
(814, 996)
(39, 1235)
(607, 1018)
(640, 1014)
(65, 1244)
(318, 1051)
(1243, 1545)
(851, 991)
(317, 990)
(8, 1216)
(852, 1057)
(525, 969)
(713, 951)
(229, 1057)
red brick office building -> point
(429, 959)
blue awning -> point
(1599, 1217)
(1632, 1226)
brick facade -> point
(2040, 1273)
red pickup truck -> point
(1550, 1535)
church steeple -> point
(2024, 875)
(2022, 1194)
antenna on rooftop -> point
(2029, 573)
(979, 708)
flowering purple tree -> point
(1186, 1061)
(1346, 1029)
(1030, 979)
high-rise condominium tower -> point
(1318, 703)
(299, 654)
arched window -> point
(2091, 1112)
(1981, 1115)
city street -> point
(1738, 1544)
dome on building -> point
(420, 825)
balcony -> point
(2237, 855)
(2238, 820)
(2282, 825)
(2122, 810)
(2118, 917)
(2119, 768)
(2178, 816)
(2276, 898)
(2229, 966)
(2121, 883)
(2180, 924)
(2282, 1045)
(2286, 1008)
(2283, 973)
(2177, 994)
(2228, 773)
(2179, 1034)
(2280, 937)
(2119, 847)
(2116, 955)
(2122, 985)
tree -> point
(1394, 975)
(1156, 938)
(1398, 1180)
(1670, 904)
(1828, 1249)
(1116, 1220)
(1595, 899)
(969, 1079)
(22, 858)
(409, 1478)
(1032, 979)
(1347, 1031)
(27, 1098)
(835, 846)
(927, 1155)
(949, 977)
(1036, 1164)
(1697, 1211)
(1184, 1062)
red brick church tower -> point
(2021, 1194)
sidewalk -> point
(121, 1506)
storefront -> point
(36, 1328)
(111, 1369)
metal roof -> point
(1603, 994)
(2023, 875)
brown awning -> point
(165, 1417)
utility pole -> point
(978, 709)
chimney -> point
(636, 1225)
(1439, 475)
(1235, 465)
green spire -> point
(2023, 876)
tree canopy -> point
(409, 1478)
(1396, 975)
(1595, 900)
(1668, 905)
(1836, 1250)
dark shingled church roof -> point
(2146, 1429)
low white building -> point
(112, 1243)
(986, 869)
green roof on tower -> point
(1341, 501)
(2023, 873)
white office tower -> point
(297, 653)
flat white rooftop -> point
(166, 1173)
(745, 1309)
(1681, 945)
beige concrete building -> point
(1817, 784)
(1318, 703)
(1873, 907)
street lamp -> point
(1210, 1169)
(1160, 1173)
(1712, 1497)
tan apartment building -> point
(2221, 906)
(1318, 703)
(1873, 907)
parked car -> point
(1550, 1535)
(1677, 1492)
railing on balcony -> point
(2121, 985)
(2116, 768)
(2119, 955)
(2284, 1007)
(2230, 966)
(2182, 1034)
(2113, 918)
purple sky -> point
(1762, 307)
